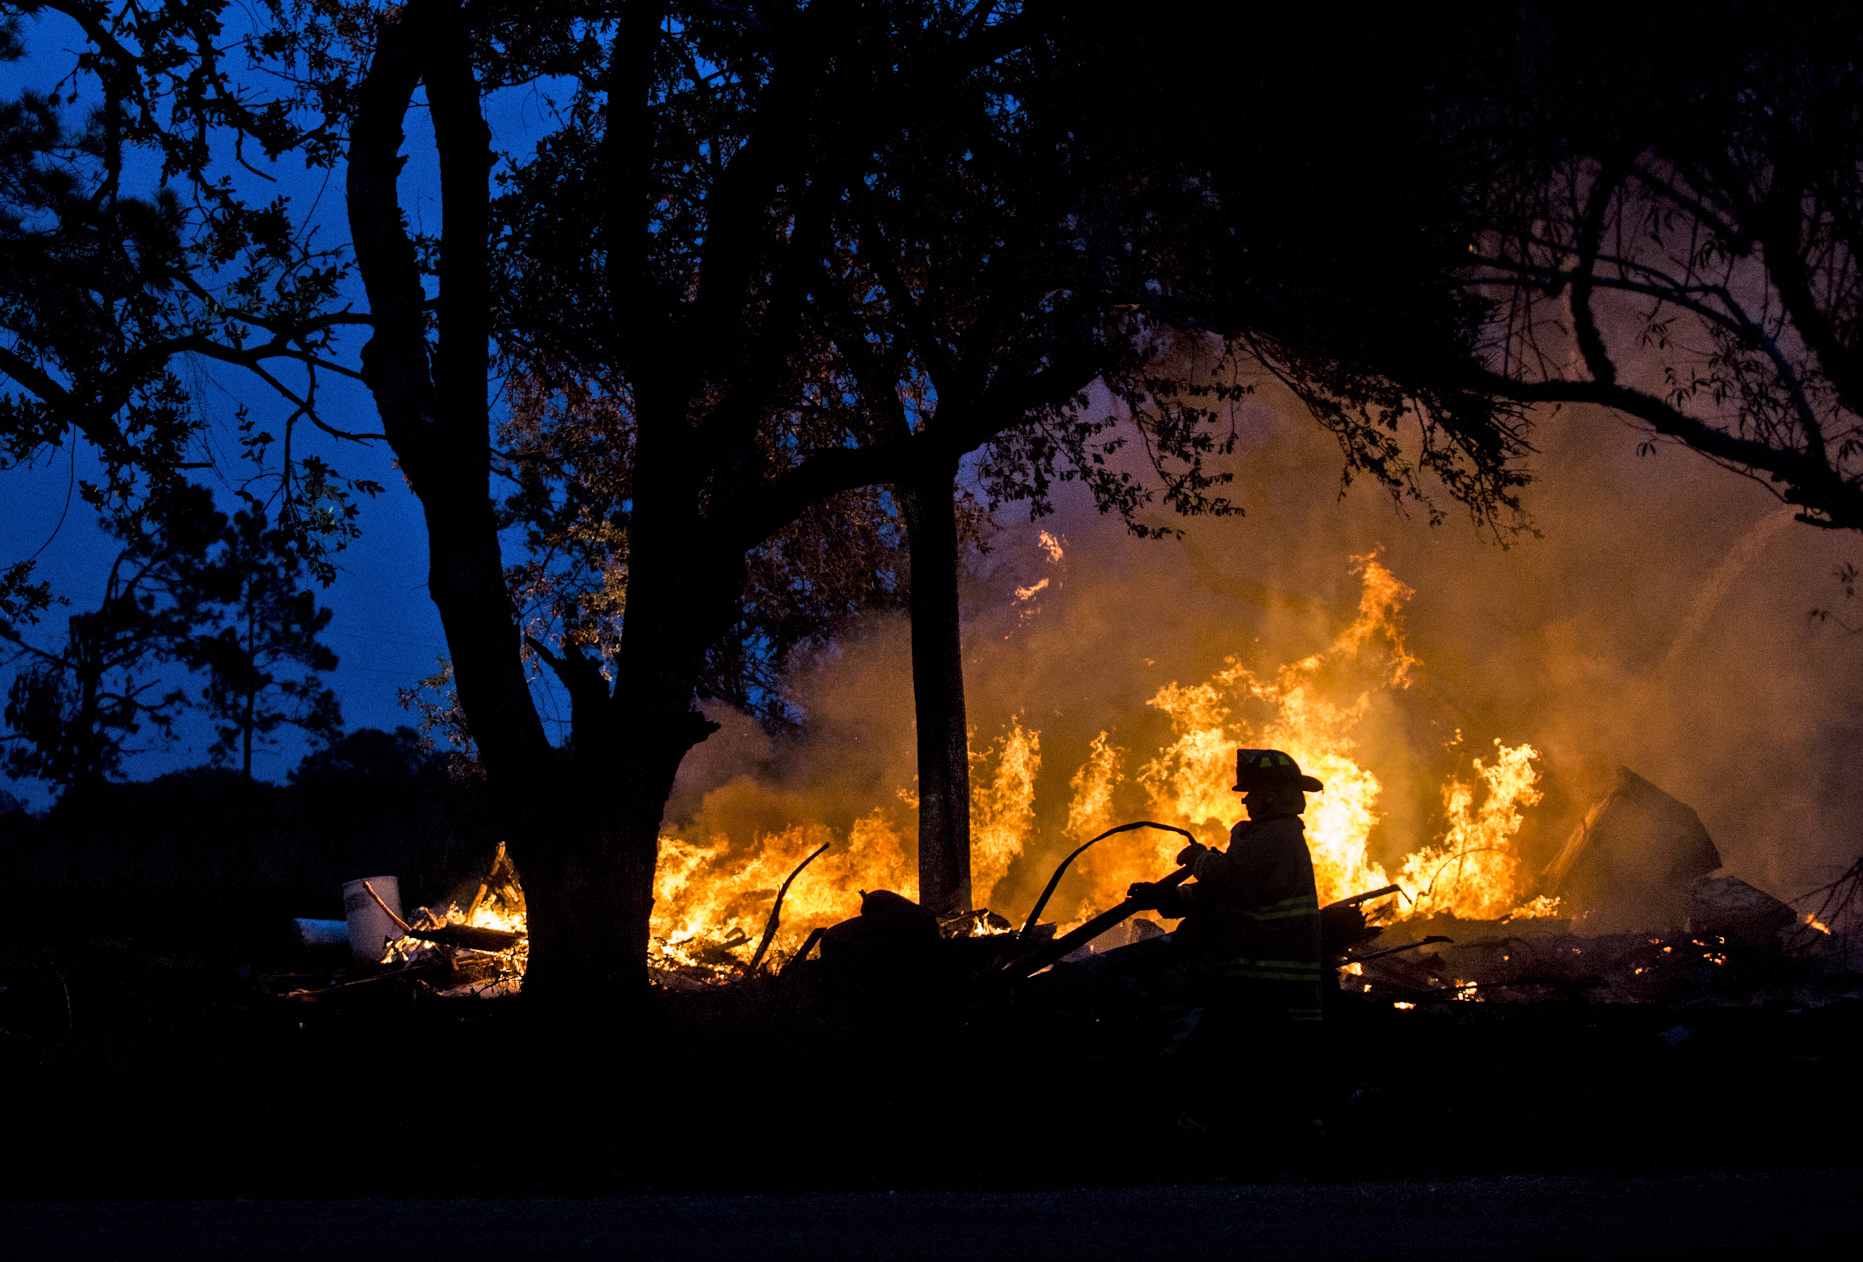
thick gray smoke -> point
(1658, 620)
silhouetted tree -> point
(262, 667)
(71, 711)
(113, 269)
(566, 452)
(668, 250)
(1060, 214)
(740, 214)
(1671, 226)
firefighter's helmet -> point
(1269, 768)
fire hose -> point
(1048, 953)
(1042, 956)
(1034, 962)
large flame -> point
(712, 897)
(1471, 871)
(713, 894)
(1002, 807)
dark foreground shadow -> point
(1713, 1216)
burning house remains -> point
(1632, 908)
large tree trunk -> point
(582, 822)
(588, 860)
(587, 867)
(938, 695)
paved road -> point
(1715, 1216)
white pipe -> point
(321, 933)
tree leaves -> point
(189, 591)
(1676, 236)
(113, 268)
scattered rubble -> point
(481, 950)
(1632, 862)
(1652, 921)
(1727, 907)
(1486, 963)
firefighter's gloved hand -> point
(1174, 901)
(1146, 894)
(1189, 853)
(1170, 901)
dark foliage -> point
(72, 713)
(1670, 228)
(112, 274)
(205, 846)
(764, 265)
(184, 570)
(262, 667)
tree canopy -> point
(262, 666)
(188, 591)
(676, 369)
(74, 709)
(138, 237)
(762, 270)
(1671, 229)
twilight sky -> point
(385, 630)
(1659, 620)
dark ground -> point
(146, 1073)
(142, 1068)
(1709, 1216)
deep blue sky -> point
(386, 630)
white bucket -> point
(371, 928)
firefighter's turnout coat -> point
(1252, 921)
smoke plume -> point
(1655, 617)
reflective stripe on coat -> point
(1253, 922)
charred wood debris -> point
(1652, 921)
(442, 953)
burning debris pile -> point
(1630, 909)
(1652, 923)
(714, 889)
(478, 951)
(1679, 968)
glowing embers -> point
(1629, 968)
(980, 923)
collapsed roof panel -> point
(1633, 862)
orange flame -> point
(708, 896)
(1471, 871)
(713, 894)
(1002, 809)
